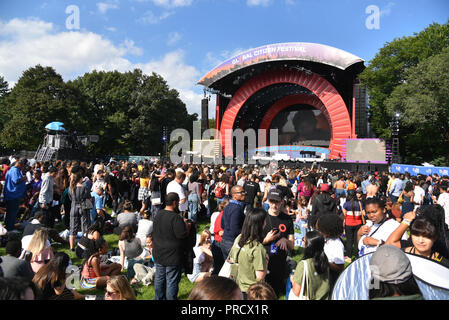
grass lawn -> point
(144, 292)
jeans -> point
(193, 206)
(226, 247)
(12, 207)
(218, 257)
(351, 239)
(166, 282)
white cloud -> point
(178, 75)
(111, 29)
(255, 3)
(74, 53)
(215, 60)
(173, 38)
(150, 18)
(172, 3)
(103, 7)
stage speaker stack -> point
(204, 115)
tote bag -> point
(305, 279)
(230, 268)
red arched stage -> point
(305, 90)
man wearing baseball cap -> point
(391, 276)
(279, 240)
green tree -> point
(423, 101)
(4, 91)
(39, 97)
(156, 106)
(390, 67)
(109, 97)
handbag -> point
(230, 268)
(305, 281)
(86, 204)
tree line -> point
(126, 110)
(410, 76)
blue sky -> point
(183, 39)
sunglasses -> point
(110, 293)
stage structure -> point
(305, 90)
(60, 144)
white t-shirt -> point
(144, 228)
(443, 200)
(335, 251)
(385, 230)
(199, 255)
(173, 186)
(419, 194)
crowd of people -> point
(258, 219)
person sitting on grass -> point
(203, 262)
(118, 288)
(130, 248)
(51, 280)
(94, 274)
(39, 248)
(94, 232)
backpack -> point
(219, 191)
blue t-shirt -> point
(13, 189)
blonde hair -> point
(203, 236)
(282, 182)
(120, 283)
(38, 242)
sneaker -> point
(347, 259)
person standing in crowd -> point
(443, 199)
(377, 230)
(194, 198)
(14, 191)
(322, 204)
(249, 252)
(331, 227)
(252, 189)
(278, 241)
(232, 220)
(46, 196)
(316, 262)
(396, 188)
(79, 216)
(353, 213)
(176, 186)
(169, 234)
(372, 189)
(218, 234)
(98, 209)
